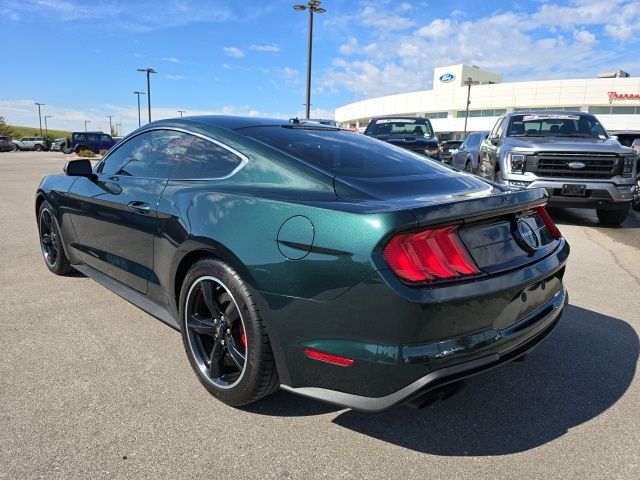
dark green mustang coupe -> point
(300, 256)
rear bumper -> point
(508, 344)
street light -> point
(85, 124)
(119, 129)
(149, 70)
(469, 81)
(40, 116)
(181, 112)
(138, 94)
(110, 127)
(46, 129)
(314, 7)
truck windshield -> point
(555, 125)
(400, 126)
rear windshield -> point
(344, 153)
(400, 126)
(555, 125)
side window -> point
(497, 128)
(92, 137)
(105, 138)
(205, 159)
(79, 137)
(474, 140)
(153, 154)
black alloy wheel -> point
(51, 243)
(224, 336)
(215, 331)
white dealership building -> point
(613, 97)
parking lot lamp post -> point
(469, 81)
(85, 124)
(181, 112)
(149, 71)
(138, 94)
(46, 128)
(119, 129)
(40, 116)
(110, 127)
(314, 7)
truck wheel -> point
(613, 217)
(65, 149)
(37, 147)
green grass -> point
(35, 132)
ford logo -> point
(526, 236)
(447, 77)
(576, 165)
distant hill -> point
(35, 132)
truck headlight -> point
(516, 162)
(627, 165)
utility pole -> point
(181, 112)
(110, 127)
(85, 124)
(46, 128)
(469, 81)
(40, 116)
(314, 7)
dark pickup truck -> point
(569, 154)
(412, 133)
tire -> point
(613, 217)
(37, 147)
(217, 314)
(635, 203)
(64, 148)
(467, 167)
(497, 176)
(51, 242)
(16, 148)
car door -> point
(489, 149)
(115, 213)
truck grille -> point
(556, 164)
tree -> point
(6, 130)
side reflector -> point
(328, 358)
(544, 216)
(436, 254)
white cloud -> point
(584, 36)
(234, 52)
(226, 66)
(171, 59)
(436, 29)
(372, 16)
(265, 48)
(174, 77)
(350, 47)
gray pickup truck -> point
(569, 154)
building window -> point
(611, 110)
(492, 112)
(545, 109)
(436, 115)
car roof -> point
(550, 112)
(227, 121)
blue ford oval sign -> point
(447, 77)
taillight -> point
(328, 357)
(429, 255)
(544, 215)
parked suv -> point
(569, 154)
(468, 155)
(94, 141)
(6, 145)
(32, 143)
(412, 133)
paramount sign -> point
(622, 96)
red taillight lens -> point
(429, 255)
(328, 358)
(544, 215)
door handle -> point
(139, 207)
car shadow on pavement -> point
(581, 370)
(588, 218)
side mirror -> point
(494, 140)
(78, 168)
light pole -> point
(40, 116)
(314, 7)
(110, 127)
(469, 81)
(138, 94)
(46, 128)
(149, 71)
(85, 124)
(119, 129)
(181, 112)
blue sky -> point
(249, 58)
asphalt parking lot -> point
(92, 387)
